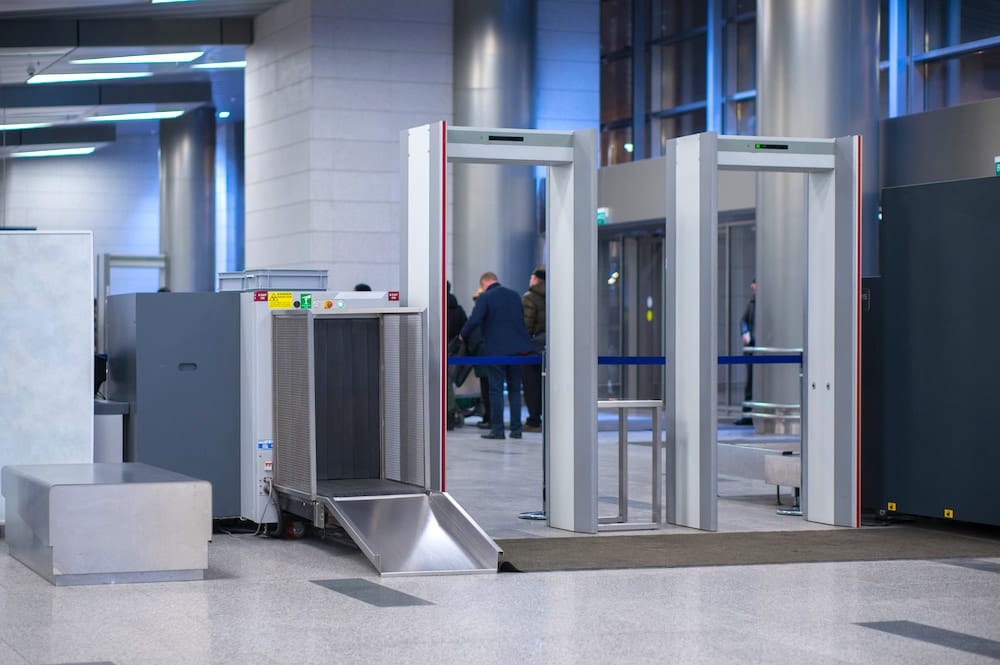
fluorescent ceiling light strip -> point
(91, 76)
(144, 59)
(152, 115)
(23, 125)
(58, 152)
(234, 64)
(163, 2)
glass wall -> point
(679, 67)
(676, 67)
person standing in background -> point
(456, 319)
(500, 316)
(533, 302)
(746, 335)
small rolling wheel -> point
(294, 529)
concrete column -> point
(494, 216)
(187, 199)
(817, 76)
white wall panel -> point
(47, 367)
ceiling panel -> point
(133, 8)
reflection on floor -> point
(495, 480)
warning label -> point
(393, 296)
(260, 296)
(279, 300)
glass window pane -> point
(950, 22)
(677, 74)
(616, 146)
(735, 8)
(883, 93)
(970, 78)
(616, 90)
(616, 25)
(671, 17)
(741, 118)
(883, 30)
(678, 125)
(740, 64)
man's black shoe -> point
(492, 435)
(515, 435)
(528, 427)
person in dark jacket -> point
(746, 335)
(500, 316)
(533, 302)
(456, 319)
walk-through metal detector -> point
(831, 359)
(571, 393)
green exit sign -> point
(996, 165)
(602, 216)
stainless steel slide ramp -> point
(415, 534)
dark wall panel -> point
(941, 319)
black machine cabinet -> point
(940, 317)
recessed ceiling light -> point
(152, 115)
(224, 114)
(234, 64)
(162, 2)
(58, 152)
(23, 125)
(144, 59)
(93, 76)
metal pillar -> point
(494, 204)
(187, 199)
(817, 75)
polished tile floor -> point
(318, 601)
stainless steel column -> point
(817, 76)
(493, 221)
(187, 199)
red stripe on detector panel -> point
(857, 479)
(444, 292)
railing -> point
(620, 522)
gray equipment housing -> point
(175, 358)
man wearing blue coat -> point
(499, 313)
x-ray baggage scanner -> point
(351, 439)
(264, 292)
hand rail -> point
(620, 522)
(771, 349)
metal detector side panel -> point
(403, 399)
(294, 432)
(416, 534)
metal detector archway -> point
(571, 391)
(831, 361)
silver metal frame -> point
(621, 522)
(105, 262)
(571, 391)
(830, 434)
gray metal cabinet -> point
(175, 358)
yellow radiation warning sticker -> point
(892, 506)
(949, 514)
(279, 300)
